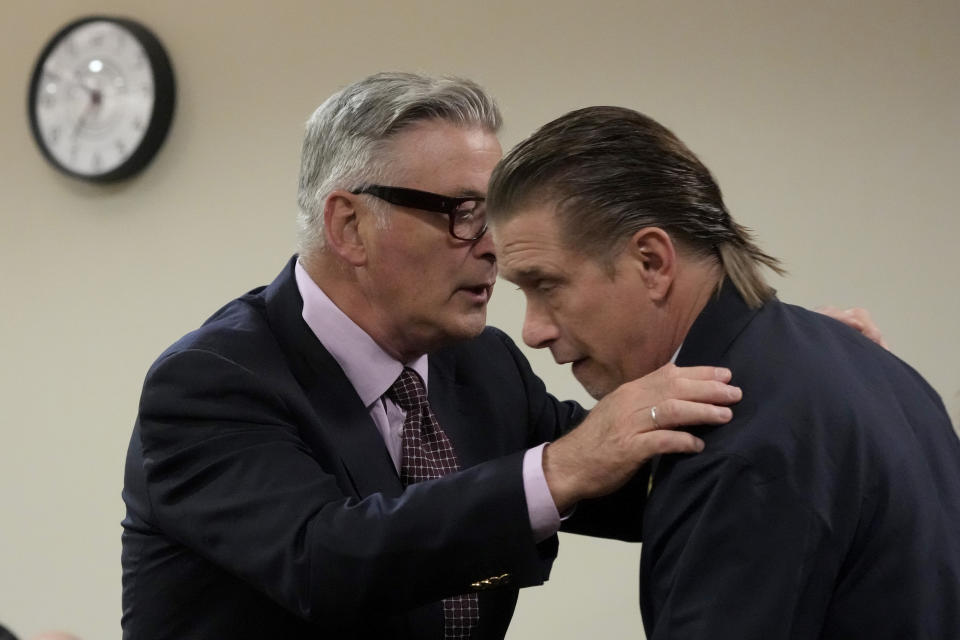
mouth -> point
(479, 293)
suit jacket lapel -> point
(453, 406)
(342, 416)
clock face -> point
(101, 98)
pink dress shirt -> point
(372, 372)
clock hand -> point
(94, 105)
(70, 79)
(80, 122)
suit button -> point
(491, 582)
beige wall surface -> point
(833, 128)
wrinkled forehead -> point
(530, 245)
(539, 213)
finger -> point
(684, 413)
(671, 370)
(874, 334)
(712, 391)
(866, 325)
(852, 320)
(701, 384)
(704, 373)
(859, 313)
(841, 315)
(646, 445)
(857, 318)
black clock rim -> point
(163, 107)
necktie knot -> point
(408, 391)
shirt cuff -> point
(544, 518)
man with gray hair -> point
(349, 452)
(829, 507)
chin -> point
(466, 327)
(475, 322)
(596, 387)
(597, 393)
(474, 329)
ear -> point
(341, 228)
(654, 255)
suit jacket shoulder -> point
(814, 498)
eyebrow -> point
(530, 274)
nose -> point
(539, 329)
(483, 247)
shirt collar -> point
(370, 369)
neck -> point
(695, 283)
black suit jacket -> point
(828, 508)
(262, 502)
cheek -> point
(402, 284)
(585, 320)
(423, 281)
(407, 265)
(604, 334)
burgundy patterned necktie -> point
(428, 454)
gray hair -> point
(345, 143)
(612, 171)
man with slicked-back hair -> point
(829, 507)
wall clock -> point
(101, 98)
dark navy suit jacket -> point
(262, 502)
(828, 508)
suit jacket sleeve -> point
(229, 476)
(731, 554)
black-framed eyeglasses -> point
(467, 214)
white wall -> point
(832, 126)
